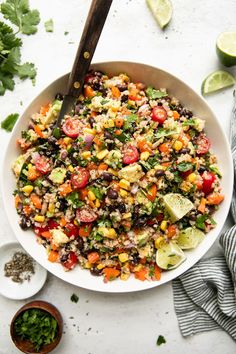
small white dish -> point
(19, 291)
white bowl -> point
(150, 76)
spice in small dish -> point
(20, 268)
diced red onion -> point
(134, 189)
(88, 140)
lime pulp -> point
(161, 10)
(226, 48)
(217, 80)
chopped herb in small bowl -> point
(37, 327)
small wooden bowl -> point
(25, 345)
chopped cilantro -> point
(73, 197)
(129, 120)
(154, 94)
(161, 132)
(184, 166)
(160, 340)
(97, 191)
(49, 25)
(200, 221)
(19, 14)
(9, 122)
(123, 137)
(66, 33)
(74, 298)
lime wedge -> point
(161, 10)
(226, 48)
(169, 256)
(216, 81)
(177, 205)
(190, 238)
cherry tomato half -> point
(43, 165)
(71, 127)
(71, 230)
(159, 114)
(86, 214)
(52, 224)
(71, 261)
(131, 154)
(208, 179)
(80, 177)
(203, 144)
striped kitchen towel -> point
(205, 296)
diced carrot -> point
(184, 138)
(110, 273)
(17, 200)
(144, 145)
(176, 115)
(127, 224)
(32, 174)
(152, 192)
(93, 114)
(36, 200)
(85, 230)
(65, 189)
(83, 193)
(97, 141)
(103, 166)
(54, 247)
(166, 164)
(141, 274)
(115, 185)
(171, 231)
(157, 272)
(53, 256)
(93, 257)
(89, 92)
(202, 206)
(38, 131)
(115, 91)
(27, 210)
(44, 109)
(63, 222)
(119, 121)
(215, 199)
(46, 234)
(118, 132)
(24, 145)
(165, 148)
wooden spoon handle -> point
(93, 27)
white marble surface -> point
(103, 323)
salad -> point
(124, 186)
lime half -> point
(162, 11)
(190, 238)
(169, 256)
(226, 48)
(177, 205)
(216, 81)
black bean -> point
(95, 271)
(64, 258)
(186, 112)
(179, 108)
(107, 176)
(202, 169)
(159, 104)
(141, 221)
(192, 217)
(159, 173)
(108, 135)
(52, 140)
(63, 204)
(59, 96)
(110, 146)
(112, 194)
(112, 208)
(122, 87)
(121, 207)
(80, 243)
(68, 174)
(135, 259)
(184, 151)
(91, 121)
(25, 223)
(124, 98)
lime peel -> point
(216, 81)
(169, 256)
(226, 48)
(190, 238)
(162, 11)
(177, 205)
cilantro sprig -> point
(19, 14)
(9, 122)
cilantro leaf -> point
(48, 25)
(200, 221)
(154, 94)
(19, 14)
(26, 70)
(74, 298)
(160, 340)
(184, 166)
(9, 122)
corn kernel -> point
(91, 195)
(71, 168)
(97, 203)
(163, 225)
(100, 266)
(86, 155)
(123, 193)
(51, 207)
(30, 165)
(123, 257)
(67, 140)
(102, 154)
(27, 189)
(185, 186)
(112, 233)
(124, 276)
(177, 145)
(192, 177)
(114, 172)
(144, 155)
(138, 268)
(160, 167)
(68, 147)
(111, 123)
(159, 241)
(130, 200)
(124, 184)
(89, 131)
(107, 232)
(106, 124)
(39, 218)
(131, 103)
(76, 222)
(88, 265)
(126, 216)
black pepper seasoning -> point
(20, 267)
